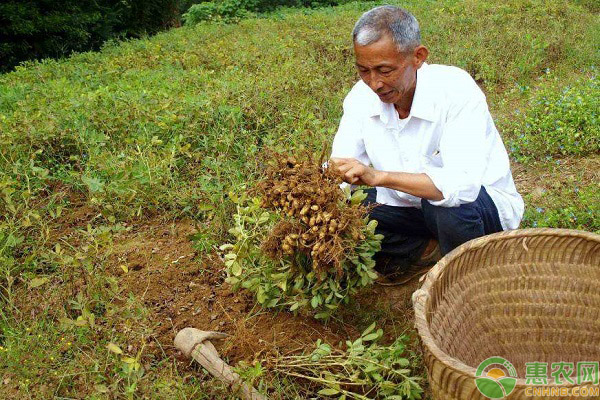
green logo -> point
(496, 383)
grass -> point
(559, 120)
(168, 126)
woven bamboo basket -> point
(530, 295)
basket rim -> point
(422, 296)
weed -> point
(558, 122)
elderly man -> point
(423, 137)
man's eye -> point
(386, 72)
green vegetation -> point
(296, 282)
(234, 10)
(568, 200)
(365, 366)
(37, 29)
(559, 121)
(167, 126)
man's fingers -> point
(354, 173)
(338, 162)
(342, 159)
(343, 168)
(350, 168)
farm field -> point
(120, 171)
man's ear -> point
(420, 55)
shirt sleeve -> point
(348, 142)
(457, 170)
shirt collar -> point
(423, 101)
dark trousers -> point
(407, 230)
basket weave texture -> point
(529, 295)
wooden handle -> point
(195, 343)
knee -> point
(450, 219)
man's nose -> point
(375, 82)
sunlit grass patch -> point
(558, 120)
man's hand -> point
(355, 172)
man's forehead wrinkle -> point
(384, 50)
(376, 60)
(378, 65)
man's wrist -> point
(381, 177)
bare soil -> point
(184, 291)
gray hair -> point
(395, 21)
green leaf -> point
(372, 274)
(364, 280)
(377, 377)
(346, 189)
(372, 225)
(37, 282)
(232, 280)
(369, 329)
(314, 302)
(113, 348)
(261, 296)
(235, 232)
(358, 196)
(204, 207)
(236, 269)
(370, 368)
(12, 241)
(264, 217)
(94, 184)
(329, 392)
(403, 362)
(282, 285)
(371, 336)
(272, 303)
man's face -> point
(388, 72)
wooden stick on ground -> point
(196, 343)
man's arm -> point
(419, 185)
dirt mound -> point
(182, 290)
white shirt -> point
(449, 135)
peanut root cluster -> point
(316, 218)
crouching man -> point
(422, 137)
